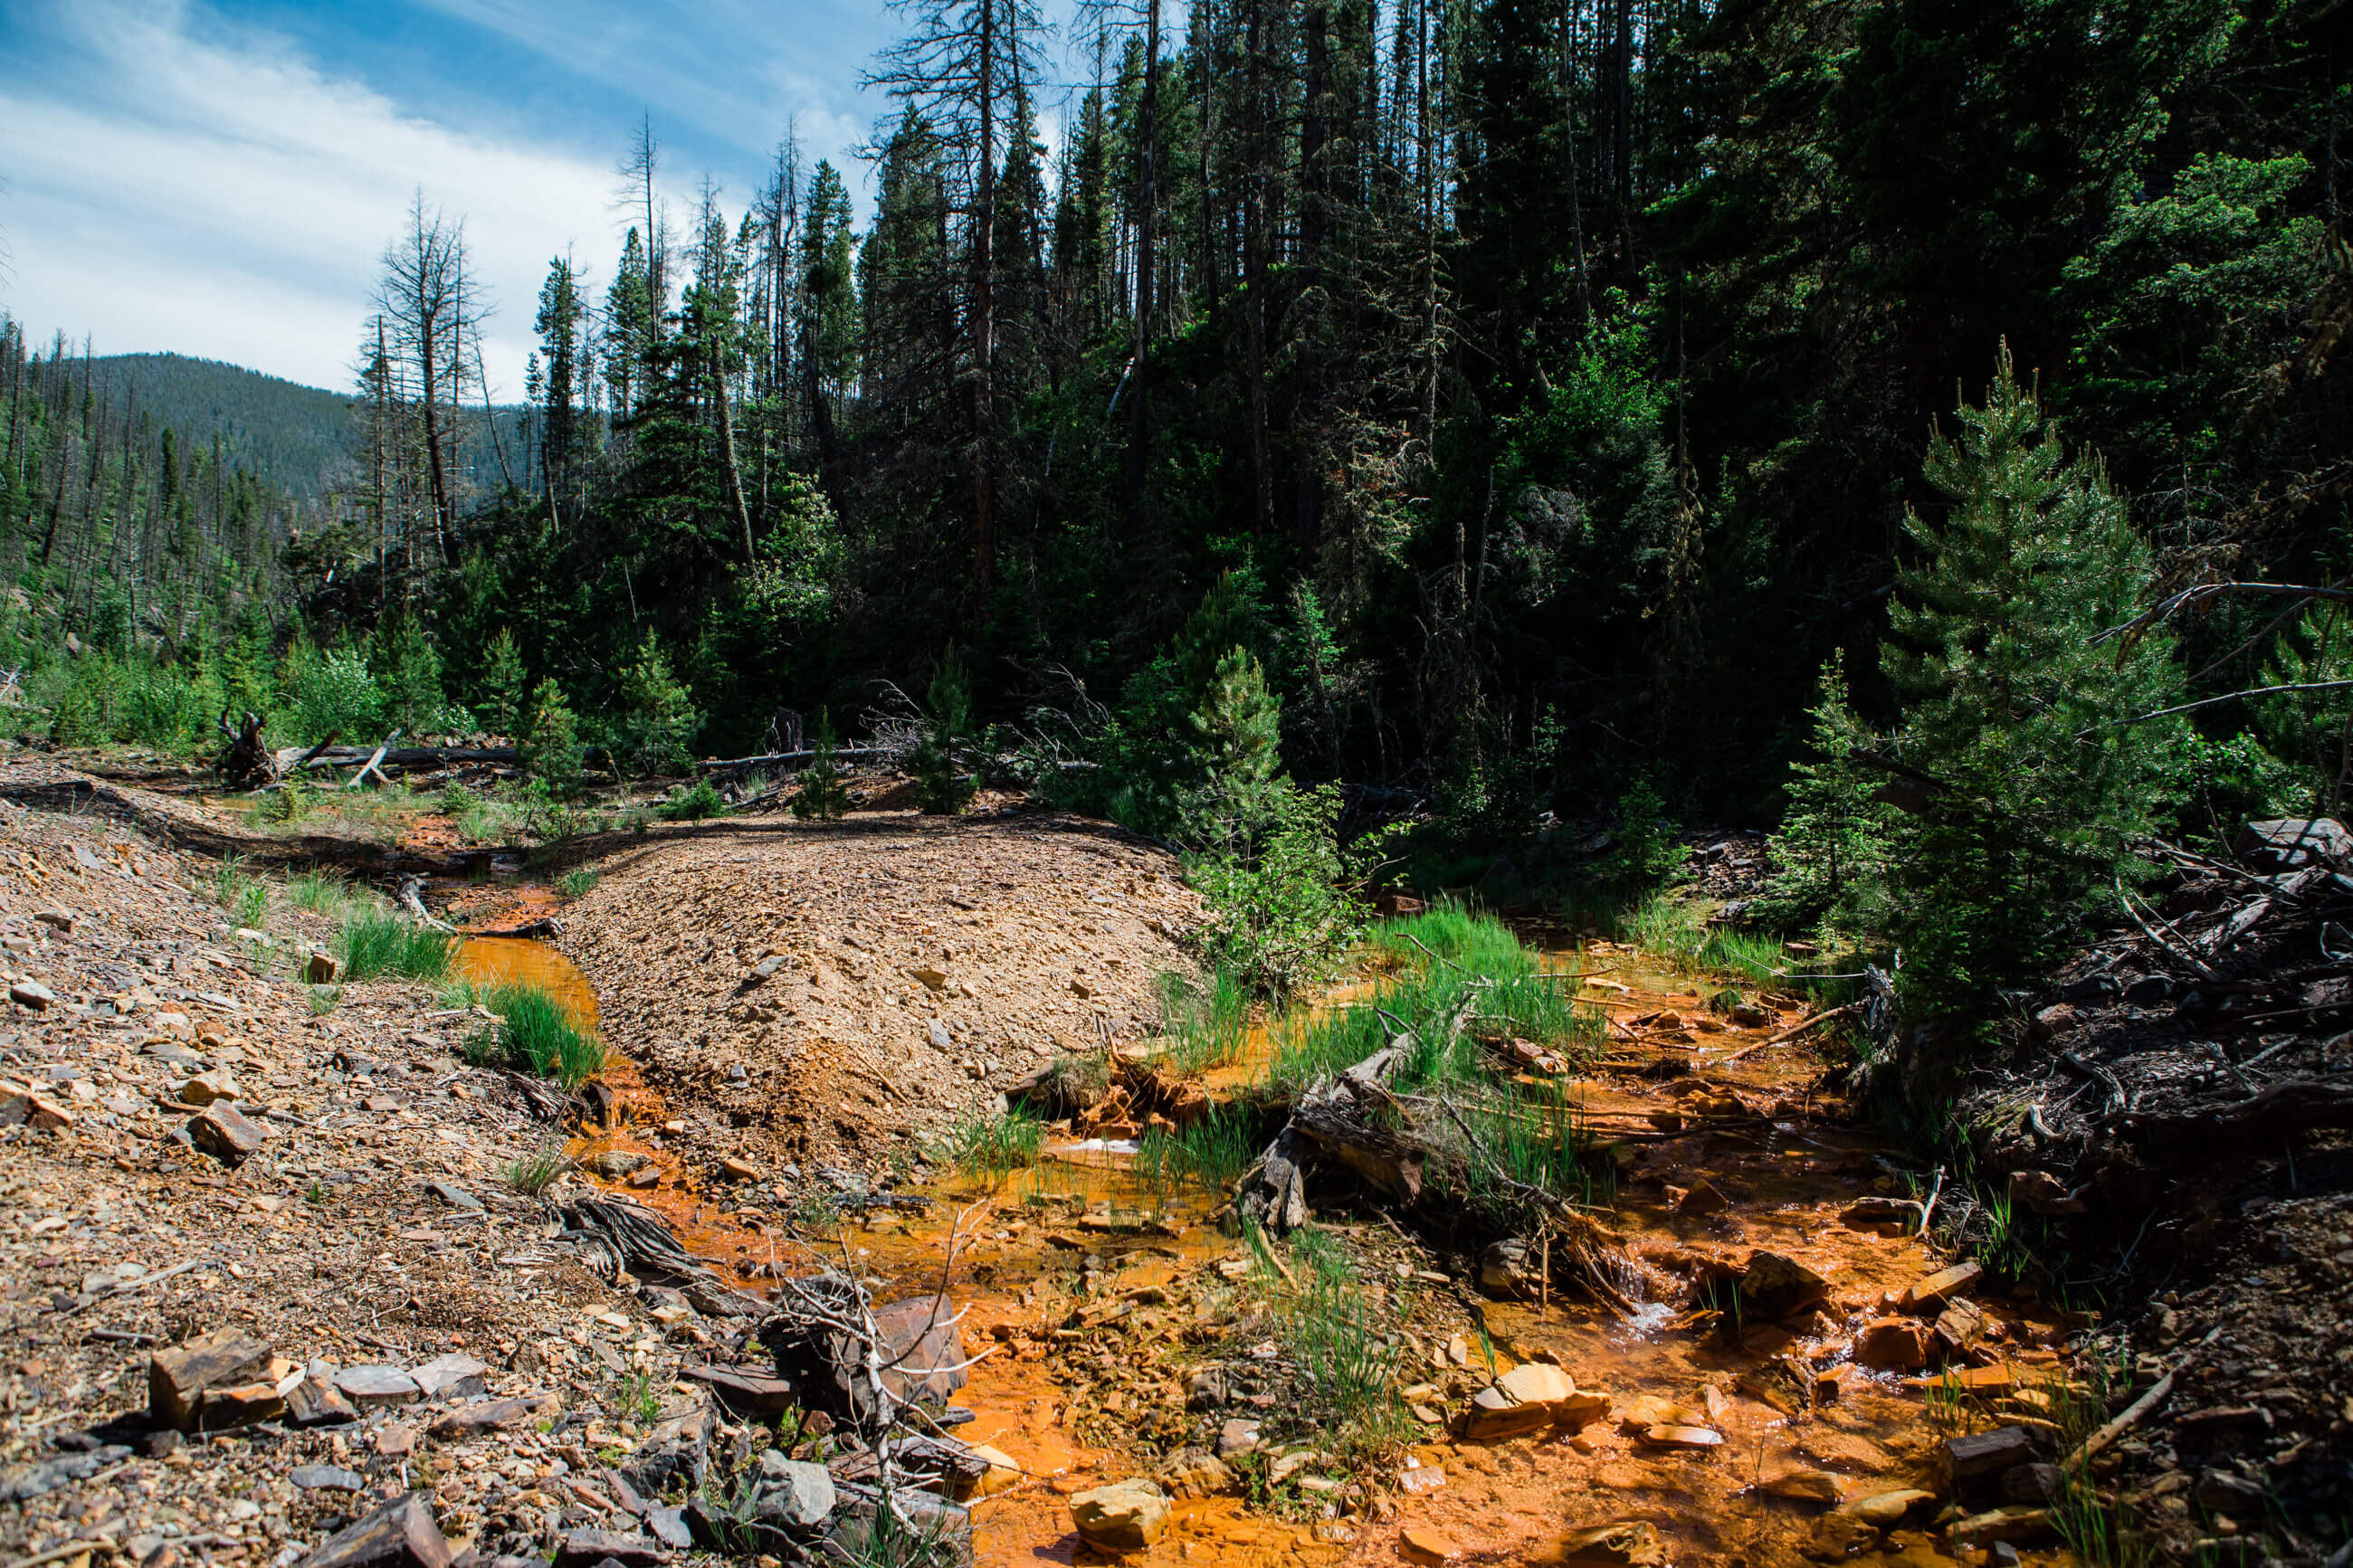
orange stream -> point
(1505, 1502)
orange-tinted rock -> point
(1895, 1344)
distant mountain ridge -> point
(296, 437)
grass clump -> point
(991, 1148)
(1338, 1330)
(318, 889)
(577, 884)
(244, 897)
(537, 1171)
(535, 1032)
(375, 941)
(1213, 1152)
(1455, 979)
(322, 999)
(1205, 1022)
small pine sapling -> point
(551, 745)
(941, 787)
(824, 793)
(1831, 853)
(504, 685)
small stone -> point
(1804, 1486)
(239, 1405)
(315, 1403)
(792, 1492)
(1126, 1517)
(394, 1438)
(2219, 1491)
(1003, 1474)
(490, 1415)
(206, 1088)
(319, 968)
(400, 1534)
(1194, 1473)
(1885, 1511)
(1960, 1325)
(1630, 1543)
(1206, 1389)
(586, 1548)
(1703, 1198)
(222, 1130)
(1421, 1543)
(1893, 1344)
(2040, 1485)
(325, 1477)
(1665, 1436)
(936, 979)
(1236, 1436)
(1879, 1214)
(58, 918)
(178, 1378)
(1984, 1453)
(614, 1164)
(1927, 1295)
(1781, 1286)
(372, 1386)
(1837, 1536)
(451, 1376)
(939, 1037)
(742, 1169)
(457, 1197)
(32, 994)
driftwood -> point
(412, 899)
(786, 759)
(1816, 1022)
(290, 758)
(636, 1238)
(548, 927)
(375, 765)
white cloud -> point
(232, 201)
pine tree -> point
(1235, 735)
(504, 685)
(2016, 705)
(941, 787)
(551, 745)
(823, 793)
(658, 716)
(1830, 856)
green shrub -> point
(694, 803)
(657, 717)
(1830, 854)
(537, 1171)
(1643, 850)
(550, 748)
(375, 941)
(577, 884)
(331, 692)
(503, 685)
(1278, 919)
(1235, 733)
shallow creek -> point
(1021, 1245)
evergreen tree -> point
(942, 786)
(551, 743)
(2029, 778)
(1234, 736)
(504, 685)
(823, 793)
(658, 716)
(409, 671)
(1830, 852)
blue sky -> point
(218, 177)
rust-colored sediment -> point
(1503, 1502)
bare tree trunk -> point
(1254, 281)
(727, 448)
(1148, 132)
(1314, 199)
(983, 317)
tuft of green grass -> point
(320, 891)
(1675, 930)
(1213, 1152)
(1532, 1152)
(535, 1031)
(1207, 1022)
(537, 1171)
(991, 1148)
(244, 896)
(1340, 1333)
(374, 941)
(324, 998)
(577, 884)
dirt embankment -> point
(802, 991)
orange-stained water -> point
(1503, 1502)
(489, 962)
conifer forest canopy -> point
(1573, 412)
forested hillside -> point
(294, 438)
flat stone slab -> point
(370, 1387)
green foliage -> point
(372, 942)
(503, 685)
(1213, 1152)
(551, 748)
(824, 792)
(536, 1172)
(694, 803)
(330, 692)
(657, 717)
(990, 1148)
(408, 673)
(1234, 734)
(1206, 1024)
(1830, 854)
(577, 884)
(536, 1032)
(1643, 850)
(318, 889)
(2017, 708)
(1278, 919)
(942, 786)
(244, 897)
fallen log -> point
(785, 759)
(1817, 1020)
(374, 764)
(290, 758)
(412, 899)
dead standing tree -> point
(426, 298)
